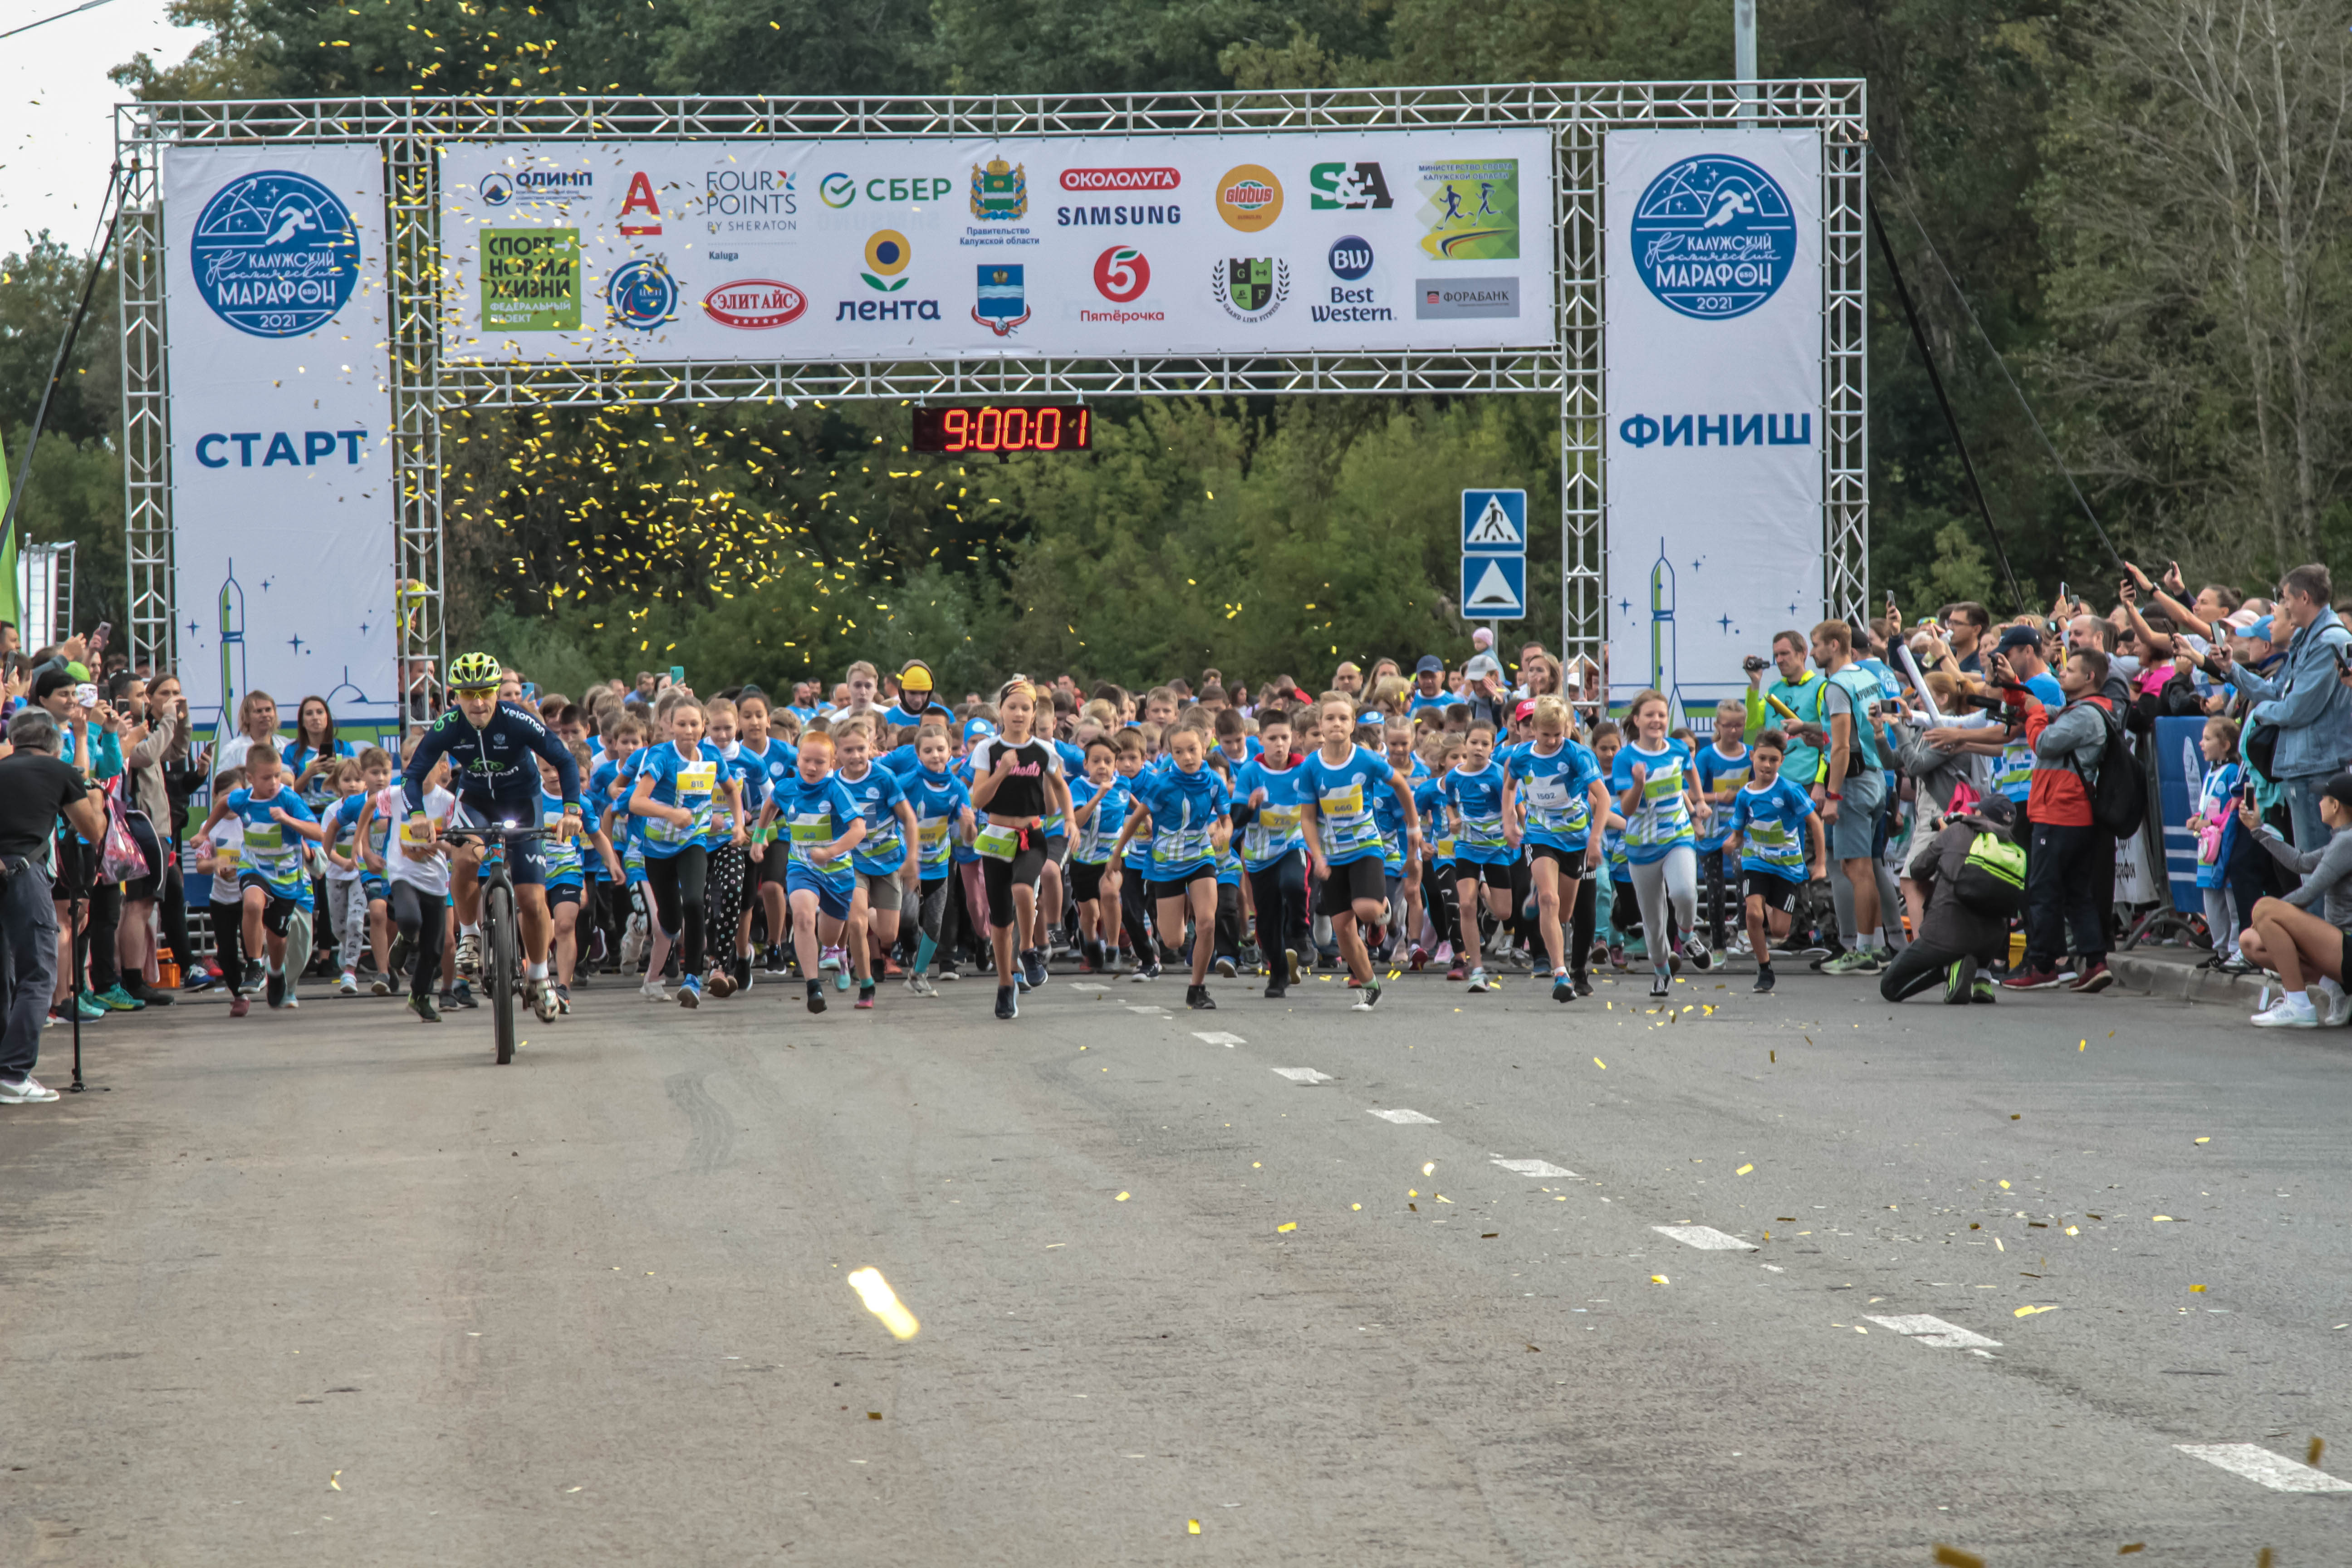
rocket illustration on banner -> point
(232, 637)
(1662, 663)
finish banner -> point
(1076, 247)
(1715, 517)
(283, 505)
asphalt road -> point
(329, 1288)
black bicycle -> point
(502, 970)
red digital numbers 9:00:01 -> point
(993, 427)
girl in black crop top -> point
(1015, 780)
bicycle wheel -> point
(504, 971)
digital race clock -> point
(998, 428)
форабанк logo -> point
(276, 254)
(1714, 237)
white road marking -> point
(1534, 1168)
(1706, 1238)
(2260, 1465)
(1219, 1037)
(1934, 1332)
(1404, 1117)
(1304, 1075)
(1160, 1012)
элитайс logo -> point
(755, 304)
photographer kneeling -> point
(36, 789)
(1974, 873)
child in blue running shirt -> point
(1773, 825)
(1477, 794)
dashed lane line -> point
(1304, 1075)
(1219, 1037)
(2261, 1466)
(1934, 1332)
(1534, 1168)
(1706, 1238)
(1404, 1117)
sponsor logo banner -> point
(1465, 298)
(1110, 239)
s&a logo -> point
(1000, 193)
(275, 254)
(1342, 187)
(496, 190)
(642, 295)
(887, 256)
(1001, 306)
(1714, 237)
(1252, 288)
(1249, 197)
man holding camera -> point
(2301, 713)
(36, 789)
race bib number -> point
(696, 781)
(998, 842)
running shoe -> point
(1563, 989)
(380, 986)
(1583, 985)
(2289, 1014)
(1368, 997)
(1854, 960)
(238, 1006)
(1276, 990)
(1697, 951)
(1445, 954)
(1479, 981)
(349, 985)
(421, 1003)
(1143, 971)
(26, 1090)
(1006, 1006)
(1959, 981)
(470, 956)
(462, 994)
(1661, 984)
(1197, 999)
(1599, 955)
(1420, 959)
(2032, 980)
(1763, 978)
(1033, 966)
(252, 974)
(1290, 958)
(564, 999)
(841, 977)
(1225, 967)
(2097, 978)
(276, 988)
(948, 974)
(828, 959)
(544, 1002)
(1616, 956)
(689, 992)
(722, 984)
(865, 997)
(652, 990)
(115, 999)
(90, 1008)
(398, 958)
(743, 971)
(817, 996)
(919, 984)
(1458, 973)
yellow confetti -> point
(1658, 1280)
(1429, 1169)
(1953, 1557)
(1443, 1199)
(2162, 1219)
(2072, 1231)
(1355, 1206)
(1602, 1064)
(2204, 1140)
(1286, 1226)
(2004, 1186)
(1192, 1526)
(2196, 1289)
(1121, 1199)
(2083, 1046)
(1743, 1170)
(2028, 1312)
(335, 1481)
(884, 1303)
(1996, 1247)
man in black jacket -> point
(1956, 943)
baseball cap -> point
(1430, 664)
(2241, 621)
(2339, 790)
(1483, 664)
(2260, 630)
(978, 729)
(2001, 812)
(1526, 709)
(915, 677)
(2019, 636)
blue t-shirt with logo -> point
(1275, 829)
(1474, 806)
(1661, 821)
(1101, 830)
(813, 814)
(273, 851)
(1716, 772)
(1556, 793)
(690, 780)
(939, 800)
(1343, 793)
(884, 848)
(1771, 823)
(1185, 808)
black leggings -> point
(228, 946)
(1229, 921)
(1280, 893)
(1581, 922)
(678, 883)
(1001, 876)
(1135, 914)
(420, 919)
(1439, 898)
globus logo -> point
(755, 304)
(1121, 274)
(1249, 197)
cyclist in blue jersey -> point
(493, 749)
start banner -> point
(1715, 474)
(1074, 247)
(283, 514)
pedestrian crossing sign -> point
(1493, 587)
(1494, 522)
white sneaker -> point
(1478, 981)
(349, 985)
(652, 990)
(2289, 1013)
(2339, 1008)
(28, 1090)
(542, 1001)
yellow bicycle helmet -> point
(475, 671)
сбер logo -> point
(276, 254)
(1714, 237)
(642, 295)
